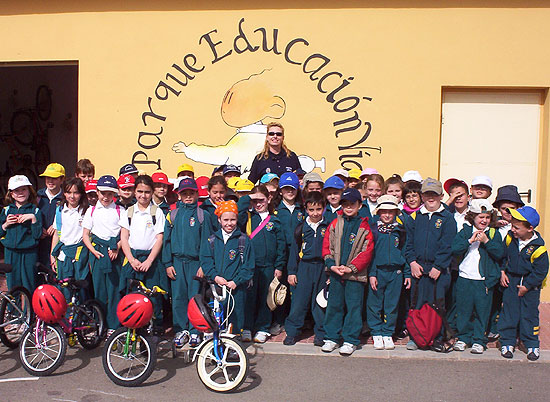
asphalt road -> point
(275, 377)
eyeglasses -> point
(272, 133)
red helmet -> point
(49, 304)
(134, 310)
(200, 315)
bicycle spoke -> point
(227, 380)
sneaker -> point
(246, 336)
(460, 346)
(261, 336)
(492, 336)
(181, 339)
(402, 334)
(329, 346)
(533, 354)
(318, 341)
(388, 343)
(289, 341)
(276, 329)
(477, 349)
(378, 342)
(411, 345)
(507, 352)
(347, 349)
(194, 340)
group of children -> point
(357, 251)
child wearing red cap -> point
(126, 186)
(161, 187)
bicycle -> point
(130, 353)
(15, 312)
(44, 345)
(222, 361)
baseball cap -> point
(186, 167)
(231, 168)
(187, 183)
(128, 169)
(91, 186)
(54, 170)
(126, 181)
(368, 172)
(161, 177)
(411, 175)
(232, 182)
(289, 179)
(312, 177)
(453, 182)
(217, 169)
(482, 181)
(202, 185)
(527, 214)
(479, 206)
(386, 201)
(354, 174)
(335, 182)
(107, 183)
(17, 181)
(351, 195)
(341, 172)
(244, 185)
(266, 178)
(508, 193)
(432, 185)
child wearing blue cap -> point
(525, 268)
(347, 250)
(101, 235)
(332, 190)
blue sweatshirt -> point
(389, 248)
(310, 245)
(531, 262)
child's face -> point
(73, 197)
(85, 177)
(387, 215)
(412, 200)
(461, 198)
(481, 221)
(188, 196)
(481, 191)
(352, 183)
(350, 208)
(160, 190)
(333, 196)
(54, 183)
(92, 197)
(395, 190)
(363, 192)
(374, 191)
(229, 175)
(503, 210)
(259, 202)
(315, 212)
(314, 186)
(217, 193)
(105, 197)
(289, 194)
(520, 231)
(144, 194)
(20, 195)
(431, 200)
(190, 174)
(228, 221)
(126, 193)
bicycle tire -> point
(44, 102)
(22, 127)
(93, 316)
(232, 378)
(22, 297)
(54, 338)
(122, 369)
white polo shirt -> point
(71, 225)
(142, 231)
(104, 222)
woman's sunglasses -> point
(272, 133)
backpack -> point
(153, 212)
(171, 217)
(242, 239)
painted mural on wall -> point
(252, 102)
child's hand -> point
(220, 281)
(200, 273)
(336, 270)
(26, 217)
(231, 285)
(256, 196)
(10, 220)
(434, 274)
(345, 270)
(278, 274)
(292, 280)
(171, 273)
(482, 237)
(97, 254)
(502, 223)
(44, 234)
(53, 263)
(135, 264)
(113, 254)
(373, 282)
(145, 265)
(416, 269)
(504, 281)
(51, 231)
(407, 283)
(522, 290)
(473, 238)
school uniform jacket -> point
(531, 262)
(290, 220)
(388, 248)
(21, 236)
(309, 248)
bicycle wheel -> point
(22, 127)
(16, 314)
(134, 367)
(232, 371)
(41, 355)
(44, 102)
(90, 324)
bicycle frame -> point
(5, 296)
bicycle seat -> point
(5, 268)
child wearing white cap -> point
(482, 187)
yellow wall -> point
(399, 57)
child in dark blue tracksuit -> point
(525, 268)
(306, 271)
(388, 272)
(228, 259)
(217, 188)
(430, 233)
(332, 190)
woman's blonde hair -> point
(265, 152)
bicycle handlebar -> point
(134, 283)
(213, 288)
